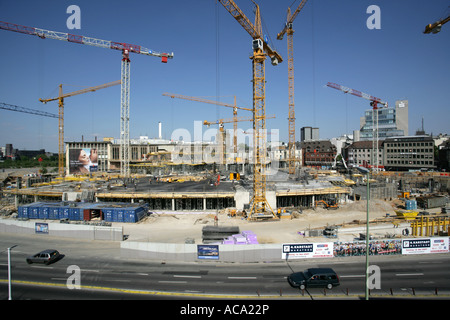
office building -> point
(392, 122)
(409, 153)
(309, 133)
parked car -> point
(47, 256)
(314, 277)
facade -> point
(309, 133)
(391, 122)
(444, 156)
(409, 153)
(360, 154)
(318, 153)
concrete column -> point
(173, 204)
(204, 203)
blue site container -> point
(108, 214)
(43, 211)
(75, 214)
(117, 212)
(119, 215)
(33, 212)
(411, 204)
(53, 213)
(23, 211)
(63, 212)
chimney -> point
(160, 130)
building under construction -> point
(181, 187)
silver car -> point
(47, 256)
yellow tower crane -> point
(234, 106)
(290, 48)
(260, 208)
(60, 99)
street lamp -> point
(9, 271)
(366, 172)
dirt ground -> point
(176, 228)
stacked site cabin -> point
(84, 211)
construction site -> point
(177, 190)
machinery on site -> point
(260, 208)
(374, 103)
(290, 47)
(60, 99)
(126, 49)
(331, 205)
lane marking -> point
(242, 278)
(353, 276)
(176, 294)
(89, 270)
(171, 281)
(408, 274)
(186, 276)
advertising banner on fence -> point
(307, 250)
(41, 227)
(426, 245)
(210, 252)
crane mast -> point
(290, 48)
(260, 207)
(126, 49)
(60, 99)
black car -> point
(47, 256)
(314, 277)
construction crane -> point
(290, 48)
(126, 49)
(260, 208)
(12, 107)
(436, 26)
(198, 99)
(374, 102)
(60, 99)
(221, 122)
(222, 141)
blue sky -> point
(211, 59)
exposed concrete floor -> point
(177, 227)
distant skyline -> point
(332, 43)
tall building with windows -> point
(392, 122)
(409, 153)
(309, 133)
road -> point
(104, 274)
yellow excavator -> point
(329, 206)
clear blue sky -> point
(331, 43)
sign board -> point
(41, 227)
(425, 245)
(210, 252)
(307, 250)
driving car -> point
(47, 256)
(314, 277)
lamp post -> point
(366, 171)
(9, 271)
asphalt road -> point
(104, 274)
